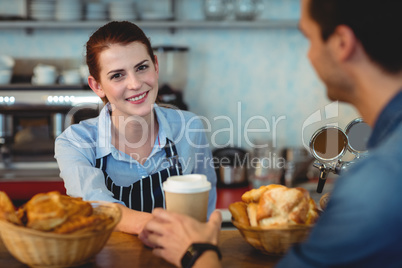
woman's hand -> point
(132, 221)
(170, 234)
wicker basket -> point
(274, 240)
(43, 249)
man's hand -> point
(170, 234)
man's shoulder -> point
(392, 146)
(377, 172)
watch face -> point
(192, 250)
(186, 261)
(195, 251)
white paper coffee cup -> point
(188, 194)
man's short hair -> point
(376, 23)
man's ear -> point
(96, 87)
(344, 42)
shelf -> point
(31, 87)
(30, 25)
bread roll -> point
(239, 213)
(252, 211)
(278, 205)
(7, 209)
(285, 205)
(324, 201)
(254, 194)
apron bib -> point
(147, 193)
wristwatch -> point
(195, 251)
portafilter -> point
(330, 143)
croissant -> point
(45, 211)
(7, 209)
(54, 212)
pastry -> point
(45, 211)
(80, 224)
(275, 205)
(54, 212)
(283, 205)
(239, 213)
(7, 209)
(252, 211)
(324, 201)
(254, 194)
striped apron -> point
(147, 193)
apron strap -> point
(146, 193)
(101, 163)
(170, 149)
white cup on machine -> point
(188, 194)
(44, 75)
(71, 77)
(6, 69)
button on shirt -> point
(78, 147)
(362, 224)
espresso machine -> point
(329, 144)
(31, 117)
(172, 75)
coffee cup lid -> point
(191, 183)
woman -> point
(125, 153)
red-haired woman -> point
(126, 153)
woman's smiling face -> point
(128, 78)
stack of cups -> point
(188, 194)
(95, 11)
(68, 10)
(122, 10)
(41, 9)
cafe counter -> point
(125, 250)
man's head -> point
(347, 36)
(375, 23)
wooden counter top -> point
(124, 250)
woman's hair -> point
(115, 32)
(376, 23)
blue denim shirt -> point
(362, 224)
(78, 147)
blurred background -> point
(239, 64)
(253, 68)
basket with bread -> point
(274, 217)
(55, 230)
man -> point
(356, 50)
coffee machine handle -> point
(323, 176)
(321, 182)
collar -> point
(104, 130)
(165, 130)
(388, 120)
(104, 142)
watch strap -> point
(195, 250)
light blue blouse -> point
(78, 147)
